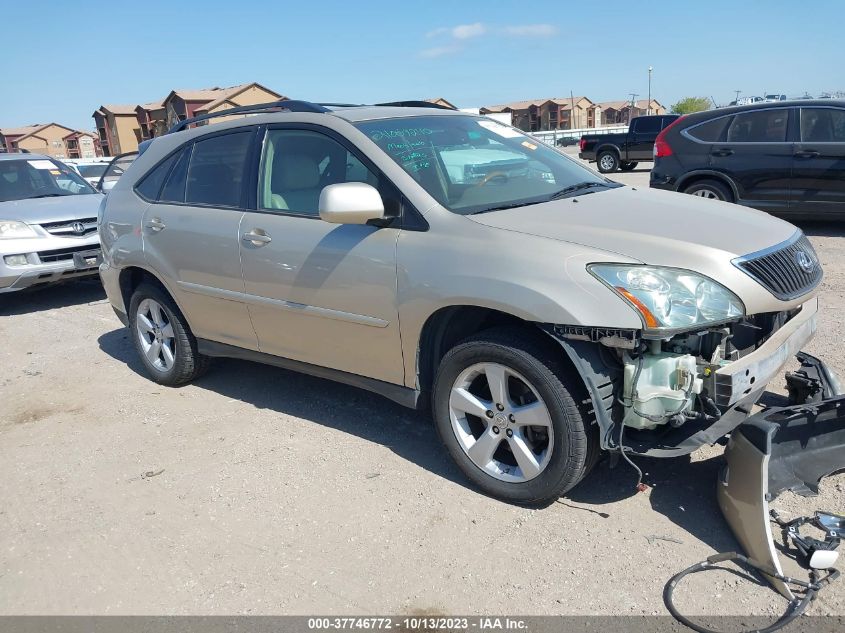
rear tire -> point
(165, 344)
(628, 165)
(710, 189)
(607, 161)
(491, 444)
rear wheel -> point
(627, 165)
(711, 189)
(504, 408)
(163, 339)
(608, 162)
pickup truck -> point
(624, 149)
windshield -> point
(39, 178)
(92, 171)
(474, 164)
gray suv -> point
(545, 312)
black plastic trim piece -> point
(286, 104)
(400, 394)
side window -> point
(759, 126)
(647, 125)
(174, 187)
(150, 185)
(216, 170)
(297, 164)
(710, 131)
(822, 125)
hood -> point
(58, 209)
(655, 227)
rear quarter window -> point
(150, 184)
(710, 131)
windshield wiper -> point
(580, 186)
(505, 206)
(47, 195)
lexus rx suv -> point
(544, 312)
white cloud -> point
(460, 32)
(439, 51)
(530, 30)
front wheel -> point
(628, 165)
(608, 162)
(504, 408)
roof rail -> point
(286, 104)
(415, 104)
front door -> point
(757, 156)
(818, 170)
(317, 292)
(191, 234)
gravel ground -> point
(260, 491)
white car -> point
(91, 169)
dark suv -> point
(787, 158)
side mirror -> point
(350, 203)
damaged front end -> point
(785, 448)
(671, 395)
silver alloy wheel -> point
(707, 193)
(606, 162)
(501, 422)
(155, 332)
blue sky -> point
(472, 53)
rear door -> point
(757, 156)
(644, 131)
(191, 234)
(818, 170)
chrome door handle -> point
(156, 225)
(808, 153)
(256, 239)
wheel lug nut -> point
(496, 430)
(511, 418)
(489, 414)
(500, 407)
(509, 432)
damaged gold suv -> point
(431, 256)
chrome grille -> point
(780, 270)
(68, 228)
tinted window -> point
(647, 125)
(151, 183)
(39, 178)
(215, 174)
(710, 131)
(297, 164)
(822, 125)
(759, 126)
(174, 188)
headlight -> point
(670, 298)
(10, 229)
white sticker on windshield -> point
(502, 130)
(42, 164)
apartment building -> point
(51, 139)
(117, 129)
(621, 112)
(556, 113)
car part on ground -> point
(814, 382)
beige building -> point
(557, 113)
(621, 112)
(117, 129)
(52, 139)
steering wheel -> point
(493, 175)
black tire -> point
(628, 165)
(188, 363)
(575, 442)
(712, 189)
(607, 161)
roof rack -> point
(416, 104)
(290, 105)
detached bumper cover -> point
(787, 448)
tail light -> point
(582, 143)
(661, 146)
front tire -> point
(165, 344)
(710, 189)
(504, 407)
(608, 162)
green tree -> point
(688, 105)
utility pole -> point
(648, 107)
(572, 113)
(634, 96)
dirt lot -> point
(260, 491)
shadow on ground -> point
(821, 229)
(682, 490)
(70, 293)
